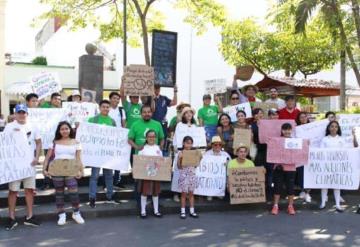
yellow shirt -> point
(235, 164)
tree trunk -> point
(356, 14)
(145, 40)
(342, 80)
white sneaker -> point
(302, 195)
(209, 198)
(176, 198)
(62, 219)
(77, 217)
(307, 198)
(342, 199)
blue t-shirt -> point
(161, 105)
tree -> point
(39, 61)
(142, 17)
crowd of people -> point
(151, 134)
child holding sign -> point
(187, 180)
(284, 173)
(147, 187)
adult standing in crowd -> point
(226, 132)
(33, 136)
(187, 123)
(208, 115)
(132, 108)
(55, 101)
(104, 119)
(176, 119)
(2, 122)
(330, 115)
(241, 121)
(290, 111)
(117, 113)
(274, 98)
(75, 96)
(32, 100)
(250, 92)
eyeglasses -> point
(234, 98)
(217, 144)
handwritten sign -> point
(104, 146)
(347, 123)
(215, 86)
(279, 154)
(45, 83)
(247, 185)
(15, 157)
(197, 133)
(153, 168)
(47, 120)
(66, 168)
(79, 112)
(272, 128)
(331, 168)
(232, 110)
(314, 132)
(191, 158)
(242, 136)
(265, 107)
(138, 80)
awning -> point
(19, 88)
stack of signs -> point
(138, 80)
(232, 110)
(45, 83)
(153, 168)
(215, 86)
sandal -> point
(194, 215)
(182, 216)
(158, 215)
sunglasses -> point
(217, 144)
(234, 98)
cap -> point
(207, 96)
(75, 93)
(216, 139)
(21, 107)
(186, 109)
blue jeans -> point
(210, 131)
(108, 176)
(117, 177)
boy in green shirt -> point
(55, 101)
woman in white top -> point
(187, 123)
(65, 148)
(332, 139)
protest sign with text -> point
(247, 185)
(333, 168)
(232, 110)
(272, 128)
(138, 80)
(79, 112)
(314, 131)
(152, 168)
(215, 86)
(104, 146)
(15, 157)
(347, 123)
(287, 150)
(46, 120)
(45, 83)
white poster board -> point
(314, 132)
(333, 168)
(347, 123)
(46, 120)
(197, 133)
(232, 110)
(215, 86)
(45, 83)
(79, 112)
(15, 157)
(104, 146)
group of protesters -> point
(151, 134)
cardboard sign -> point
(247, 185)
(265, 107)
(138, 80)
(153, 168)
(88, 95)
(67, 168)
(333, 168)
(347, 123)
(242, 136)
(314, 132)
(45, 83)
(191, 158)
(232, 110)
(79, 112)
(104, 146)
(272, 128)
(15, 157)
(197, 133)
(277, 152)
(215, 86)
(47, 121)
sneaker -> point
(62, 219)
(92, 203)
(176, 198)
(291, 210)
(307, 198)
(78, 218)
(113, 201)
(31, 222)
(275, 210)
(11, 224)
(358, 210)
(209, 198)
(302, 195)
(342, 199)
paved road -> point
(249, 229)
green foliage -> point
(39, 61)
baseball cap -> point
(21, 107)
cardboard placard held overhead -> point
(191, 158)
(138, 80)
(67, 168)
(265, 107)
(247, 185)
(241, 136)
(152, 168)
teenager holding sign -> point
(65, 148)
(226, 132)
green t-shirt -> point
(209, 114)
(173, 122)
(47, 105)
(235, 164)
(133, 113)
(104, 120)
(138, 130)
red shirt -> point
(285, 114)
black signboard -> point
(164, 49)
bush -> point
(39, 61)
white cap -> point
(75, 93)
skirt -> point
(187, 179)
(148, 187)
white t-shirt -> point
(333, 142)
(222, 153)
(2, 123)
(66, 151)
(31, 132)
(153, 150)
(280, 102)
(115, 114)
